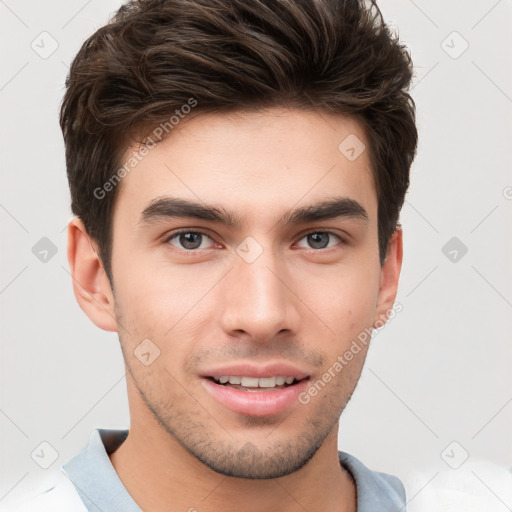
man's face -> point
(261, 297)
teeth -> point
(268, 382)
(249, 382)
(255, 382)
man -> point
(237, 171)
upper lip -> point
(253, 370)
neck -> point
(159, 473)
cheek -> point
(142, 286)
(345, 301)
(162, 303)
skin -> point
(294, 303)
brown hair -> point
(153, 57)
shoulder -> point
(61, 496)
(374, 488)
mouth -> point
(256, 384)
(255, 396)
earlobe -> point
(90, 282)
(390, 274)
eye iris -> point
(318, 240)
(190, 240)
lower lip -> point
(255, 403)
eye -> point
(321, 239)
(191, 241)
(188, 240)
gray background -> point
(439, 373)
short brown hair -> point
(154, 55)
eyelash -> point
(193, 251)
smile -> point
(252, 396)
(255, 382)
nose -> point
(258, 300)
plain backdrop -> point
(436, 388)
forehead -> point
(265, 162)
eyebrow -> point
(170, 207)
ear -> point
(389, 276)
(90, 282)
